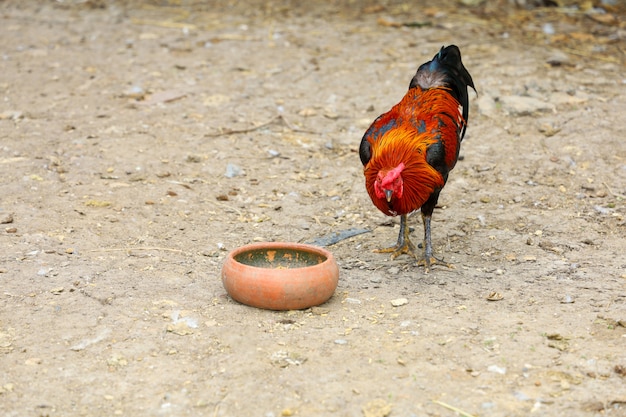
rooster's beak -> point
(388, 194)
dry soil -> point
(141, 141)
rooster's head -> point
(389, 184)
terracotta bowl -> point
(280, 276)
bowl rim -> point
(282, 245)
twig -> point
(456, 410)
(622, 196)
(163, 23)
(336, 237)
(187, 186)
(590, 55)
(131, 249)
(225, 132)
(274, 119)
(294, 129)
(226, 206)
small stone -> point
(352, 301)
(398, 302)
(524, 106)
(496, 369)
(6, 218)
(33, 361)
(393, 270)
(548, 29)
(135, 92)
(558, 58)
(57, 291)
(233, 170)
(11, 114)
(521, 396)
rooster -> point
(408, 152)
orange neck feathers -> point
(402, 145)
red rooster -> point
(408, 152)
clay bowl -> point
(280, 276)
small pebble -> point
(233, 170)
(496, 369)
(352, 301)
(548, 29)
(568, 299)
(6, 218)
(521, 396)
(341, 342)
(399, 302)
(558, 58)
(135, 92)
(602, 210)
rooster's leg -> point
(429, 259)
(404, 244)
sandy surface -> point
(142, 142)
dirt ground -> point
(140, 142)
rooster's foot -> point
(427, 262)
(407, 248)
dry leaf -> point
(494, 296)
